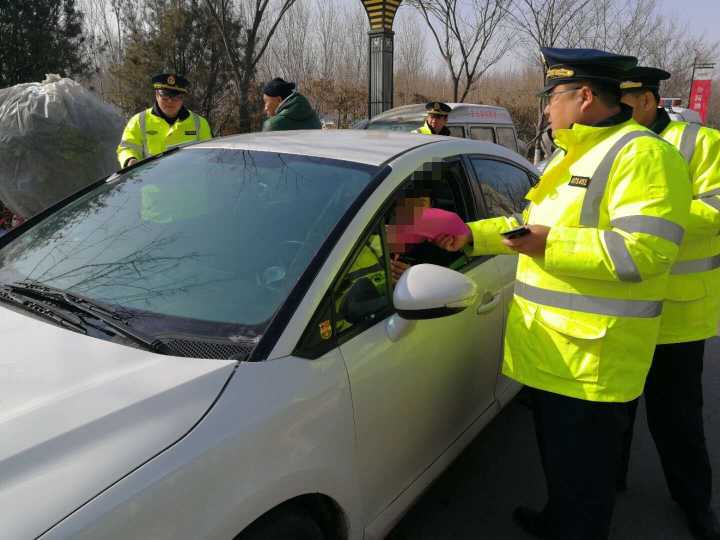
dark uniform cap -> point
(170, 81)
(644, 77)
(563, 66)
(438, 107)
(278, 88)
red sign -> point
(700, 98)
(700, 91)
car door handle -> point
(489, 302)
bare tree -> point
(411, 58)
(246, 28)
(547, 23)
(291, 54)
(467, 35)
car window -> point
(404, 126)
(214, 235)
(503, 186)
(363, 293)
(482, 134)
(361, 296)
(457, 131)
(506, 137)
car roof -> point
(461, 113)
(361, 146)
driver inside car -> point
(409, 242)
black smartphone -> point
(516, 233)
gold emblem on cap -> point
(436, 106)
(171, 80)
(559, 73)
(630, 84)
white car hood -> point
(78, 413)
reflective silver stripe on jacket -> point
(196, 121)
(622, 261)
(131, 146)
(590, 212)
(662, 228)
(707, 194)
(714, 202)
(696, 266)
(519, 217)
(589, 304)
(143, 133)
(687, 141)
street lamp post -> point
(381, 14)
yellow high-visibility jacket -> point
(425, 130)
(585, 317)
(147, 134)
(692, 305)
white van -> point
(479, 122)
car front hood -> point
(78, 413)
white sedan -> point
(211, 344)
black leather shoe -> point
(532, 522)
(703, 525)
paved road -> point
(473, 500)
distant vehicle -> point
(674, 108)
(466, 120)
(684, 115)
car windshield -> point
(406, 126)
(202, 234)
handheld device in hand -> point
(516, 233)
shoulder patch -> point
(579, 181)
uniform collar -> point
(182, 114)
(588, 135)
(662, 120)
(443, 131)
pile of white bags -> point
(56, 137)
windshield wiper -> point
(88, 307)
(58, 317)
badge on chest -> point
(580, 181)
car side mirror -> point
(428, 291)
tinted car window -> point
(457, 131)
(503, 186)
(482, 134)
(407, 126)
(203, 234)
(506, 137)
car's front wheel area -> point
(290, 522)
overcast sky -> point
(701, 15)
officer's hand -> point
(450, 242)
(397, 267)
(130, 161)
(532, 244)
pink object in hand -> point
(428, 224)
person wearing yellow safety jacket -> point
(673, 390)
(436, 118)
(604, 226)
(166, 124)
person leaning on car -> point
(286, 108)
(166, 124)
(604, 226)
(691, 313)
(436, 117)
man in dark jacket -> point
(286, 108)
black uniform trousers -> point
(673, 402)
(580, 443)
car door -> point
(502, 186)
(416, 393)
